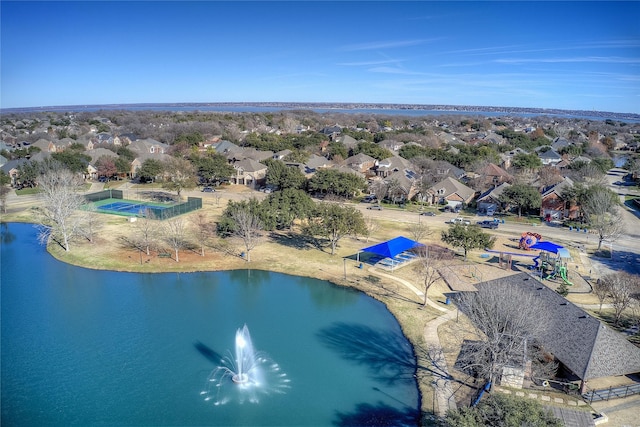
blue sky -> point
(568, 55)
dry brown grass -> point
(286, 253)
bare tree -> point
(429, 260)
(248, 227)
(204, 229)
(370, 227)
(601, 290)
(622, 287)
(175, 233)
(601, 209)
(181, 175)
(419, 231)
(146, 232)
(379, 189)
(506, 320)
(58, 217)
(91, 222)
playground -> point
(553, 263)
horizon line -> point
(328, 105)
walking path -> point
(442, 381)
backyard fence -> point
(611, 393)
(167, 212)
(103, 195)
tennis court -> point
(127, 207)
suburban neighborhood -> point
(477, 195)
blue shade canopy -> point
(392, 247)
(547, 246)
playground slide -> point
(563, 275)
(535, 263)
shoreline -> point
(401, 303)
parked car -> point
(370, 198)
(375, 207)
(488, 224)
(208, 190)
(428, 213)
(459, 221)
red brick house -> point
(556, 207)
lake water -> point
(86, 347)
(404, 112)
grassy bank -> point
(282, 252)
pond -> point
(88, 347)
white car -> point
(459, 221)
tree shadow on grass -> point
(366, 414)
(293, 240)
(621, 260)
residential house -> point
(494, 138)
(346, 140)
(63, 144)
(559, 143)
(314, 163)
(100, 152)
(11, 169)
(555, 206)
(490, 199)
(5, 146)
(550, 157)
(8, 138)
(360, 162)
(40, 156)
(448, 138)
(451, 192)
(580, 159)
(331, 131)
(148, 146)
(45, 146)
(445, 169)
(491, 176)
(350, 171)
(280, 155)
(402, 185)
(250, 173)
(127, 138)
(507, 158)
(390, 165)
(91, 173)
(104, 138)
(391, 145)
(3, 160)
(249, 153)
(581, 343)
(139, 160)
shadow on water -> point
(209, 353)
(366, 414)
(6, 236)
(387, 356)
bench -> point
(165, 255)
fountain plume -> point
(246, 376)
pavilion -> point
(392, 253)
